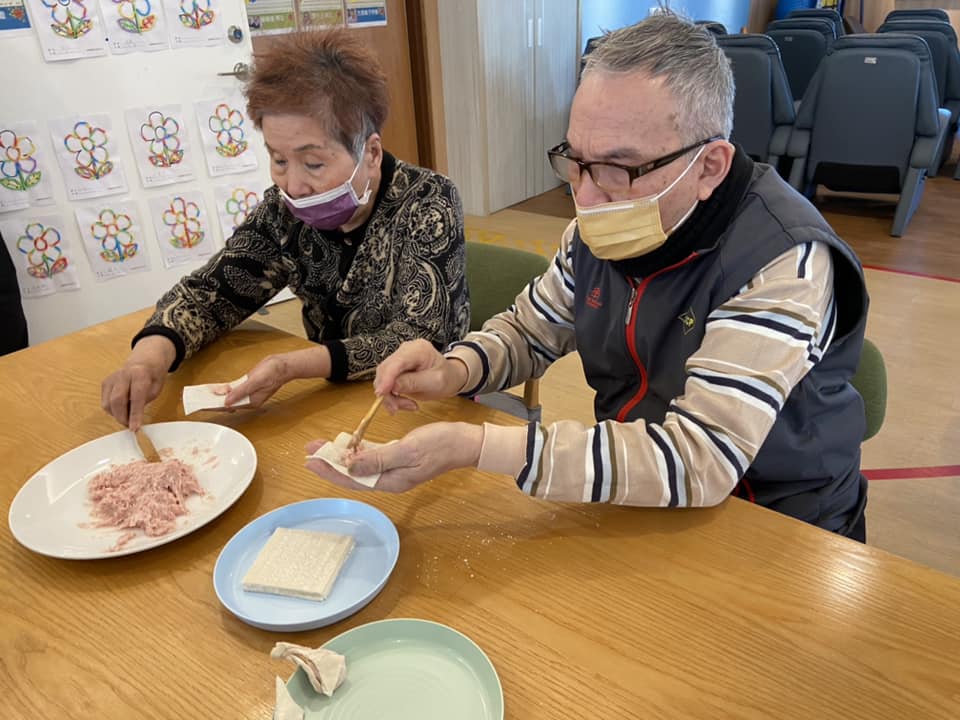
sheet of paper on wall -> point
(321, 13)
(227, 136)
(366, 13)
(160, 137)
(134, 25)
(195, 23)
(88, 152)
(270, 17)
(43, 253)
(26, 167)
(207, 397)
(336, 455)
(113, 238)
(68, 30)
(235, 202)
(183, 227)
(14, 19)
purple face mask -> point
(328, 210)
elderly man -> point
(718, 316)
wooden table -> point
(586, 611)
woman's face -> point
(305, 160)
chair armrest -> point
(799, 143)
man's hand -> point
(420, 456)
(417, 371)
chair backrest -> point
(496, 275)
(870, 381)
(803, 43)
(828, 14)
(763, 99)
(929, 13)
(871, 98)
(941, 38)
(717, 28)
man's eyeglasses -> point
(610, 177)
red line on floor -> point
(911, 272)
(937, 471)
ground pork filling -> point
(142, 495)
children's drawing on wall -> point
(134, 25)
(13, 18)
(68, 29)
(24, 175)
(234, 204)
(194, 22)
(182, 229)
(87, 153)
(42, 253)
(161, 144)
(113, 238)
(226, 132)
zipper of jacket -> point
(636, 295)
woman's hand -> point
(417, 371)
(125, 393)
(421, 455)
(266, 377)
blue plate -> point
(363, 575)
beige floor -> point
(913, 320)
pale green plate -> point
(406, 670)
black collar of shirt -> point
(704, 226)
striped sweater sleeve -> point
(522, 342)
(757, 346)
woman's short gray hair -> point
(687, 57)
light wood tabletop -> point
(585, 611)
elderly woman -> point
(371, 245)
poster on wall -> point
(68, 29)
(363, 13)
(13, 18)
(234, 203)
(225, 134)
(25, 172)
(86, 149)
(183, 230)
(113, 239)
(134, 25)
(161, 145)
(43, 254)
(321, 13)
(271, 17)
(195, 23)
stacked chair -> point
(828, 14)
(918, 14)
(883, 87)
(763, 108)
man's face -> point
(629, 119)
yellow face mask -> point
(627, 228)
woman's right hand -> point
(126, 392)
(417, 371)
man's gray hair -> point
(687, 57)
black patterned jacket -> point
(399, 277)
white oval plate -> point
(51, 514)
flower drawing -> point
(18, 167)
(41, 245)
(227, 124)
(240, 204)
(69, 18)
(162, 135)
(195, 17)
(136, 16)
(89, 147)
(183, 219)
(112, 229)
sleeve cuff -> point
(504, 449)
(339, 365)
(171, 335)
(473, 357)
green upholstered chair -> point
(870, 381)
(496, 275)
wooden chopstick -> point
(362, 427)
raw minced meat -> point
(148, 496)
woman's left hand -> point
(266, 377)
(421, 455)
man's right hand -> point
(126, 392)
(417, 371)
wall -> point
(599, 15)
